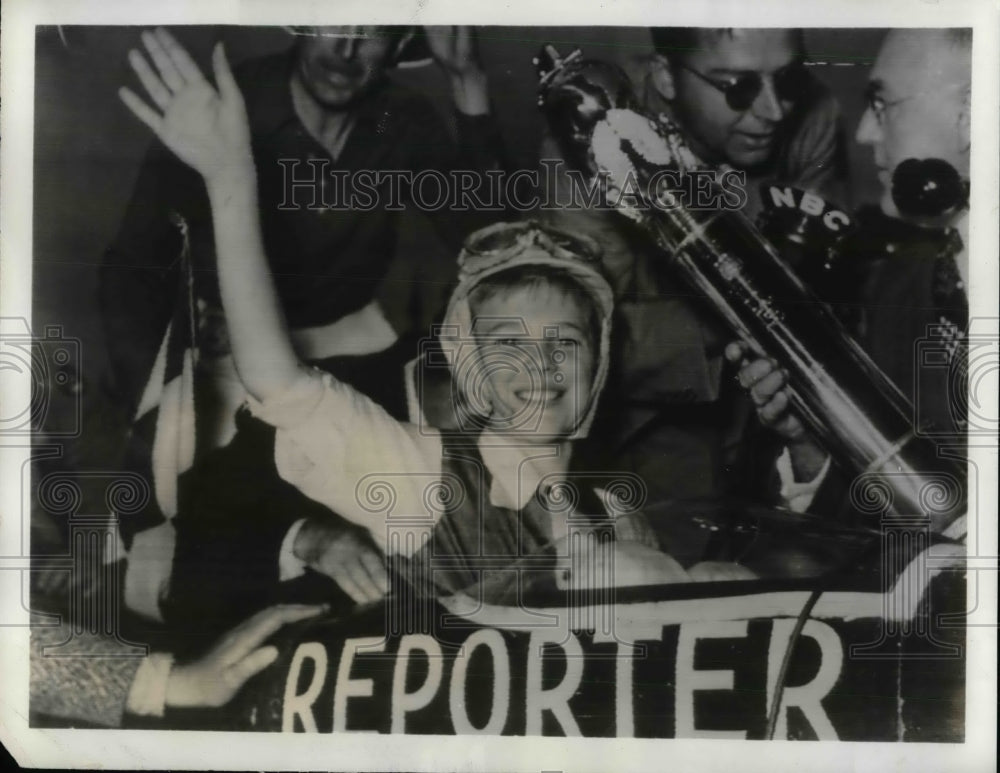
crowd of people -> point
(277, 362)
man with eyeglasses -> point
(908, 260)
(324, 105)
(743, 98)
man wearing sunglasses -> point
(744, 98)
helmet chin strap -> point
(928, 190)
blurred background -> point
(88, 146)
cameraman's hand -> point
(346, 555)
(205, 127)
(216, 677)
(767, 385)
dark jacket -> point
(900, 292)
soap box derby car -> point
(870, 647)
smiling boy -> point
(528, 298)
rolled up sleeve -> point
(331, 439)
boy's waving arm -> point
(207, 128)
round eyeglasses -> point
(879, 105)
(791, 84)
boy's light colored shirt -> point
(343, 450)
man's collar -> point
(265, 84)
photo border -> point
(199, 750)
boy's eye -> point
(509, 342)
(566, 344)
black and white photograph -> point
(561, 389)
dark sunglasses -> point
(791, 84)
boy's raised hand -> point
(206, 127)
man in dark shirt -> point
(324, 105)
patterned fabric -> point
(92, 689)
